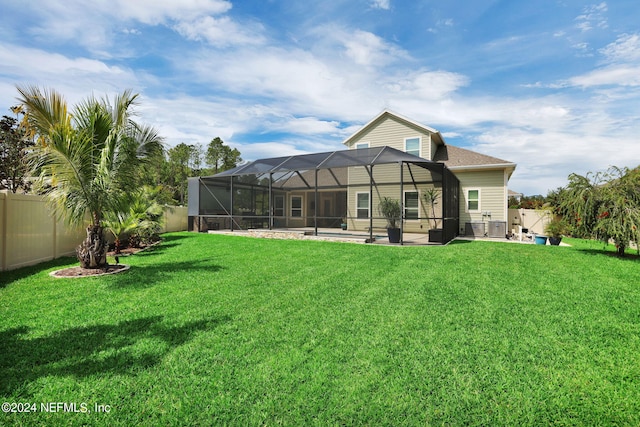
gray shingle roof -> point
(454, 157)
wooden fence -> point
(29, 233)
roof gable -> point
(385, 114)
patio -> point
(338, 235)
(329, 234)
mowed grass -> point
(229, 330)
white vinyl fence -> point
(532, 219)
(29, 234)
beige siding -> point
(492, 195)
(386, 178)
(392, 133)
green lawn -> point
(227, 330)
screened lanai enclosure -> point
(337, 190)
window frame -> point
(468, 200)
(368, 208)
(279, 211)
(407, 139)
(292, 208)
(361, 145)
(405, 208)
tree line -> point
(166, 170)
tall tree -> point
(178, 169)
(221, 157)
(15, 143)
(85, 159)
(214, 153)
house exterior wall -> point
(392, 132)
(493, 198)
(386, 179)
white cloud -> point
(626, 49)
(365, 48)
(155, 12)
(621, 60)
(74, 77)
(425, 85)
(221, 32)
(614, 75)
(381, 4)
(545, 158)
(592, 16)
(263, 150)
(94, 27)
(307, 126)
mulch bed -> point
(73, 272)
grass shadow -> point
(609, 254)
(145, 276)
(91, 350)
(459, 242)
(173, 237)
(8, 277)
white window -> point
(473, 200)
(296, 206)
(362, 205)
(412, 146)
(360, 145)
(411, 205)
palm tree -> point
(84, 159)
(139, 217)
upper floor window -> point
(412, 146)
(362, 145)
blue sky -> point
(553, 86)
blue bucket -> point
(541, 240)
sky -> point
(553, 86)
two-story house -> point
(391, 156)
(483, 179)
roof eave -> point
(489, 166)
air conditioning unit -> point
(497, 229)
(474, 229)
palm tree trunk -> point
(92, 252)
